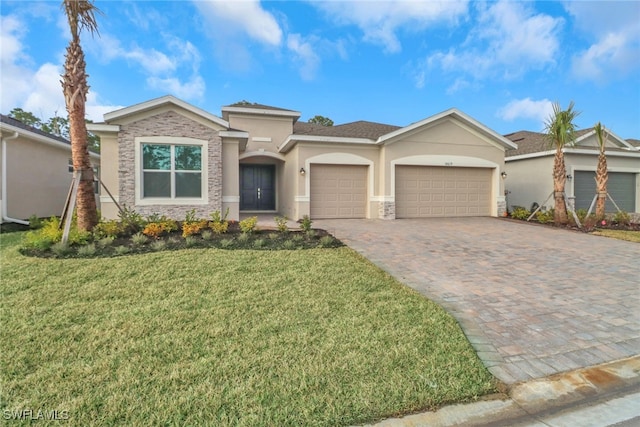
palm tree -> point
(601, 173)
(561, 132)
(80, 15)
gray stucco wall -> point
(169, 124)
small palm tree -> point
(561, 133)
(601, 173)
(80, 15)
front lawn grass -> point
(319, 337)
(632, 236)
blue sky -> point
(502, 63)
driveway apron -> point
(533, 301)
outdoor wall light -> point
(302, 171)
(569, 177)
(503, 175)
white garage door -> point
(338, 191)
(426, 191)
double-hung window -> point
(171, 171)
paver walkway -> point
(533, 301)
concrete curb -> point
(528, 401)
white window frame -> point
(171, 141)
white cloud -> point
(192, 89)
(164, 70)
(304, 55)
(614, 30)
(151, 60)
(526, 108)
(34, 89)
(508, 39)
(245, 16)
(381, 20)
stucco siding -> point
(169, 124)
(260, 128)
(38, 179)
(528, 181)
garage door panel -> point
(442, 191)
(338, 191)
(621, 186)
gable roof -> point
(359, 129)
(457, 114)
(363, 132)
(536, 144)
(10, 121)
(10, 124)
(163, 101)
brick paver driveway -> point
(533, 301)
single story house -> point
(36, 171)
(530, 168)
(166, 156)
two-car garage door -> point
(430, 191)
(340, 191)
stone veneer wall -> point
(169, 124)
(387, 210)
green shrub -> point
(122, 250)
(244, 237)
(109, 228)
(158, 245)
(139, 239)
(87, 251)
(622, 218)
(190, 241)
(544, 217)
(326, 241)
(281, 222)
(46, 236)
(105, 241)
(132, 221)
(519, 212)
(226, 243)
(219, 223)
(207, 235)
(311, 233)
(273, 236)
(259, 243)
(289, 244)
(297, 238)
(248, 225)
(35, 222)
(305, 223)
(582, 214)
(61, 249)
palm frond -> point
(602, 135)
(560, 127)
(81, 15)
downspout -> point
(4, 183)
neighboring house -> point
(166, 156)
(36, 173)
(530, 168)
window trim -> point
(172, 141)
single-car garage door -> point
(621, 187)
(431, 191)
(338, 191)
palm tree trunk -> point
(75, 90)
(559, 179)
(601, 185)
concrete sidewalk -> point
(603, 395)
